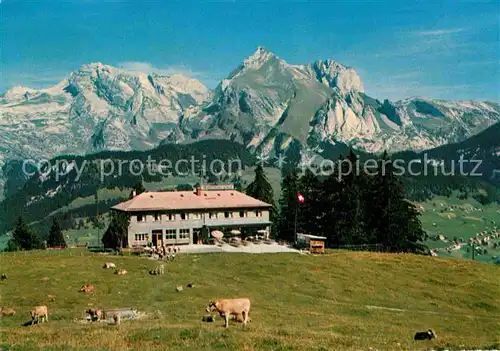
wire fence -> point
(364, 247)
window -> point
(171, 216)
(212, 215)
(170, 234)
(184, 216)
(258, 213)
(228, 214)
(243, 214)
(183, 233)
(196, 215)
(141, 237)
(141, 218)
(157, 217)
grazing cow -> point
(158, 270)
(109, 265)
(37, 312)
(4, 276)
(121, 272)
(238, 317)
(228, 307)
(7, 311)
(427, 335)
(95, 314)
(87, 288)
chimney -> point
(198, 191)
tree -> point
(262, 190)
(138, 188)
(116, 236)
(288, 205)
(23, 238)
(392, 220)
(310, 211)
(56, 237)
(184, 187)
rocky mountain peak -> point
(336, 75)
(254, 62)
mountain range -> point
(265, 104)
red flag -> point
(300, 197)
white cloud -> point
(440, 32)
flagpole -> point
(298, 200)
(295, 228)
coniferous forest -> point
(354, 210)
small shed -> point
(316, 244)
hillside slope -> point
(74, 176)
(340, 301)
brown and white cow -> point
(228, 307)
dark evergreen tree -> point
(260, 187)
(116, 236)
(310, 211)
(330, 202)
(23, 238)
(392, 219)
(56, 237)
(351, 204)
(353, 207)
(288, 206)
(262, 190)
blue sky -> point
(447, 49)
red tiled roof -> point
(184, 200)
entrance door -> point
(196, 236)
(157, 236)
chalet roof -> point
(189, 200)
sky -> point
(437, 49)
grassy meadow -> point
(338, 301)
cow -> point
(4, 276)
(87, 288)
(228, 307)
(427, 335)
(120, 271)
(238, 317)
(109, 265)
(95, 314)
(7, 311)
(37, 312)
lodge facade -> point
(180, 217)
